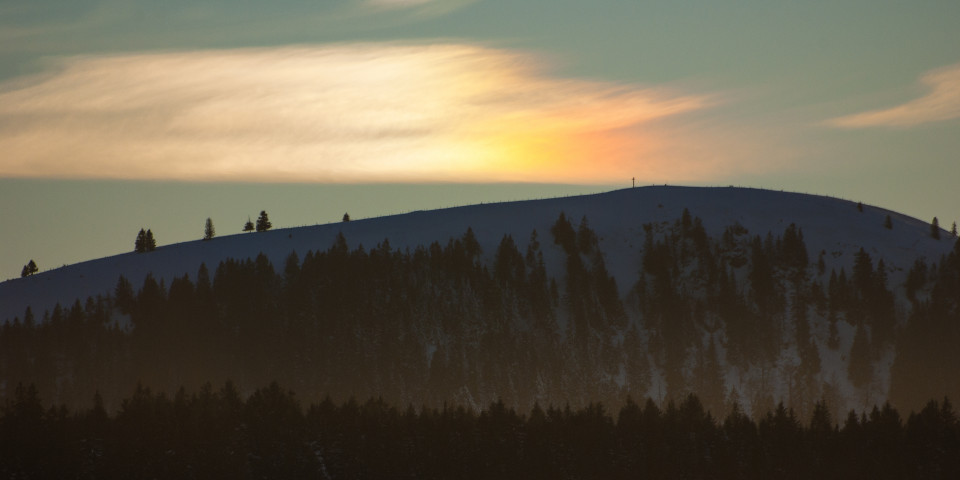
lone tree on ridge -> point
(138, 245)
(29, 269)
(208, 231)
(150, 244)
(263, 222)
(145, 242)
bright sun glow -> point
(342, 113)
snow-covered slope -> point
(831, 225)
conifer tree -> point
(123, 296)
(888, 223)
(470, 245)
(953, 229)
(208, 231)
(149, 243)
(863, 273)
(248, 227)
(139, 245)
(935, 228)
(564, 235)
(263, 222)
(29, 269)
(821, 423)
(794, 249)
(346, 217)
(586, 238)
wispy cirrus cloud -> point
(397, 3)
(413, 10)
(940, 104)
(57, 27)
(336, 113)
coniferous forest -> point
(216, 433)
(487, 351)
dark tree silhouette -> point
(139, 245)
(564, 234)
(248, 227)
(263, 222)
(212, 434)
(346, 217)
(29, 269)
(123, 295)
(935, 228)
(149, 243)
(208, 231)
(888, 223)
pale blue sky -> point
(850, 98)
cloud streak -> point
(397, 3)
(337, 113)
(420, 8)
(940, 104)
(55, 27)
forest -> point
(216, 433)
(438, 325)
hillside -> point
(739, 295)
(829, 224)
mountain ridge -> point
(617, 216)
(729, 293)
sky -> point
(120, 115)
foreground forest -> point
(216, 433)
(745, 317)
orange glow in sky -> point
(343, 113)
